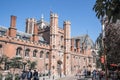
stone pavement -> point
(63, 78)
(74, 78)
(82, 78)
(70, 78)
(67, 78)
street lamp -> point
(103, 43)
(24, 64)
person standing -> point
(29, 75)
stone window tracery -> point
(18, 51)
(41, 54)
(27, 52)
(61, 38)
(47, 55)
(34, 53)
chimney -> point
(72, 44)
(12, 29)
(13, 21)
(78, 45)
(35, 34)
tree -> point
(3, 61)
(31, 64)
(1, 76)
(100, 52)
(108, 11)
(112, 42)
(109, 8)
(15, 62)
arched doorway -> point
(59, 62)
(89, 69)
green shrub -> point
(44, 75)
(40, 75)
(9, 76)
(1, 76)
(47, 74)
(17, 77)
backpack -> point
(23, 75)
(36, 76)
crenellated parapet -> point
(67, 23)
(54, 15)
(17, 41)
(31, 19)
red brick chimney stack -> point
(72, 44)
(12, 29)
(35, 34)
(78, 45)
(13, 21)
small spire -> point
(51, 12)
(42, 17)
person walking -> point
(29, 75)
(23, 75)
(94, 75)
(35, 75)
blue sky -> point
(78, 12)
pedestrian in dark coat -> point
(23, 75)
(35, 75)
(29, 75)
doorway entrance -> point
(59, 70)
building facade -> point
(52, 47)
